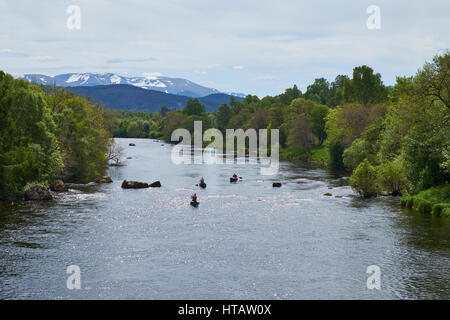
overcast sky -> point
(256, 47)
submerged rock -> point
(327, 194)
(105, 179)
(338, 196)
(59, 186)
(38, 192)
(155, 184)
(128, 184)
(276, 184)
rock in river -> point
(128, 184)
(105, 179)
(132, 144)
(38, 192)
(276, 184)
(59, 186)
(155, 184)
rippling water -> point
(245, 240)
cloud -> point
(266, 78)
(119, 60)
(151, 75)
(295, 42)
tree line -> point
(391, 139)
(48, 134)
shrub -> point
(392, 177)
(404, 201)
(423, 206)
(438, 208)
(363, 180)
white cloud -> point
(295, 41)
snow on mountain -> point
(149, 81)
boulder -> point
(59, 186)
(338, 196)
(132, 144)
(327, 194)
(38, 192)
(128, 184)
(105, 179)
(155, 184)
(276, 184)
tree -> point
(194, 107)
(301, 135)
(318, 117)
(365, 87)
(223, 116)
(319, 91)
(115, 152)
(364, 178)
(392, 176)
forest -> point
(48, 134)
(389, 139)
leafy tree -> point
(194, 107)
(392, 176)
(223, 116)
(319, 91)
(364, 178)
(365, 87)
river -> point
(244, 241)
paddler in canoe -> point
(194, 201)
(234, 178)
(202, 183)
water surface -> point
(245, 240)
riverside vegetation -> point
(47, 134)
(392, 140)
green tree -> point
(223, 116)
(364, 179)
(365, 87)
(194, 107)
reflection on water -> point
(245, 241)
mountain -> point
(149, 81)
(128, 97)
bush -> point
(392, 177)
(446, 212)
(363, 180)
(404, 201)
(438, 208)
(424, 206)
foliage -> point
(46, 135)
(392, 176)
(364, 178)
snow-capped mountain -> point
(148, 81)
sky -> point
(248, 46)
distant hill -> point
(155, 82)
(129, 97)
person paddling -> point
(194, 201)
(234, 176)
(202, 181)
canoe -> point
(233, 179)
(194, 204)
(202, 185)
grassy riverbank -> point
(435, 200)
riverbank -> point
(435, 200)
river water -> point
(244, 241)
